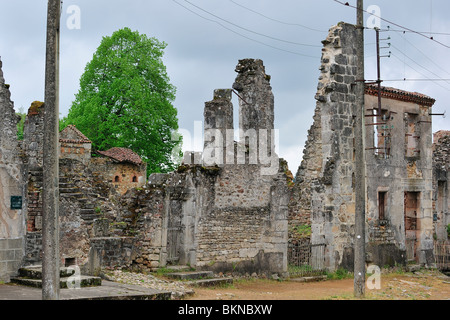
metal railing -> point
(442, 255)
(306, 259)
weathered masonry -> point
(225, 210)
(441, 182)
(399, 218)
(12, 206)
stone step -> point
(87, 205)
(35, 272)
(190, 275)
(178, 268)
(90, 217)
(69, 190)
(79, 281)
(32, 277)
(309, 279)
(76, 195)
(214, 282)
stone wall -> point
(227, 214)
(323, 192)
(12, 220)
(441, 182)
(397, 172)
(398, 165)
(123, 176)
(11, 256)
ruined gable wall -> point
(12, 221)
(324, 182)
(243, 223)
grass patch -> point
(339, 274)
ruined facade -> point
(12, 208)
(398, 166)
(224, 210)
(84, 182)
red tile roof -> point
(122, 155)
(71, 130)
(397, 94)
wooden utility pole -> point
(50, 223)
(360, 174)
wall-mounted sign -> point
(16, 202)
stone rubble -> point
(177, 288)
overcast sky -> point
(206, 38)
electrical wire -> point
(424, 32)
(251, 31)
(276, 20)
(393, 23)
(244, 36)
(427, 78)
(426, 69)
(426, 56)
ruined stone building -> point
(233, 207)
(225, 210)
(399, 166)
(220, 210)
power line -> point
(405, 79)
(244, 36)
(426, 56)
(393, 23)
(427, 78)
(424, 32)
(276, 20)
(251, 31)
(417, 62)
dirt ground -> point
(425, 285)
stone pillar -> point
(256, 115)
(219, 132)
(50, 228)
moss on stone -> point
(35, 107)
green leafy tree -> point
(125, 100)
(20, 124)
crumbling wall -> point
(441, 182)
(122, 176)
(12, 219)
(398, 166)
(324, 182)
(228, 213)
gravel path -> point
(177, 288)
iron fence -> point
(442, 255)
(306, 259)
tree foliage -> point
(125, 100)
